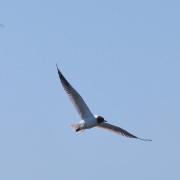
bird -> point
(88, 119)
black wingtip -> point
(61, 77)
(59, 72)
(144, 139)
(57, 67)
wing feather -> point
(119, 130)
(76, 99)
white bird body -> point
(85, 124)
(88, 120)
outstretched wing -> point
(76, 99)
(119, 130)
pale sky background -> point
(124, 59)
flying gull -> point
(88, 120)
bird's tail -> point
(76, 127)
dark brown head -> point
(100, 119)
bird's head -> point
(100, 119)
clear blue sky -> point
(124, 59)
